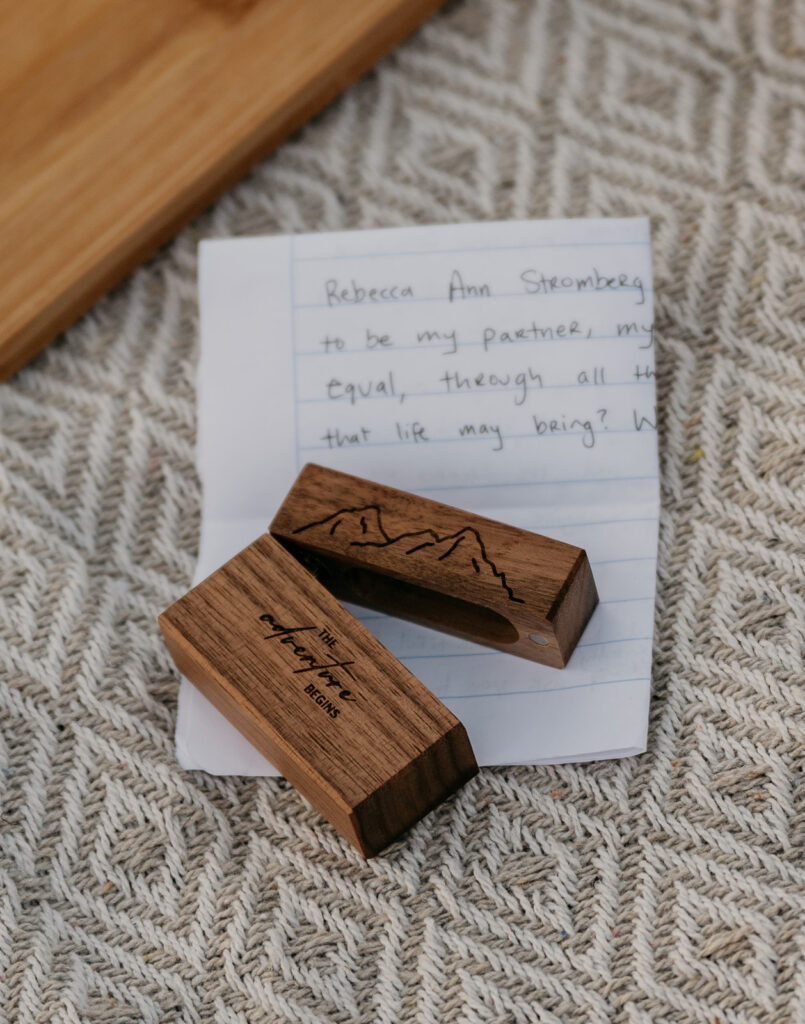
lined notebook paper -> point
(505, 368)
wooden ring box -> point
(476, 578)
(310, 687)
(266, 640)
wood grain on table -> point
(122, 119)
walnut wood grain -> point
(122, 119)
(460, 573)
(368, 745)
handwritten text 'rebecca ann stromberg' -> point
(532, 282)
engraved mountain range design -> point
(363, 528)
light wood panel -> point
(122, 119)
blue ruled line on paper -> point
(631, 558)
(598, 292)
(534, 483)
(469, 391)
(596, 522)
(482, 437)
(489, 654)
(553, 689)
(434, 346)
(471, 249)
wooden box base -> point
(479, 579)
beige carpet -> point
(670, 887)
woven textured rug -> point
(669, 887)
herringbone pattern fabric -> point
(670, 887)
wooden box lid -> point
(357, 734)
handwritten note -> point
(506, 368)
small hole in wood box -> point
(408, 600)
